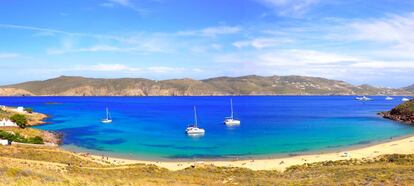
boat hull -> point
(232, 122)
(106, 121)
(195, 131)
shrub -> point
(28, 110)
(19, 138)
(35, 140)
(20, 120)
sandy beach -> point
(398, 146)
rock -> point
(402, 113)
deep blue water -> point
(153, 127)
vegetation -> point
(52, 166)
(406, 108)
(20, 120)
(16, 137)
(28, 110)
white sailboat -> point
(108, 118)
(363, 98)
(388, 98)
(230, 120)
(193, 129)
(405, 99)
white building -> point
(20, 109)
(7, 123)
(4, 142)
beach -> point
(89, 132)
(398, 146)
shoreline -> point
(214, 95)
(397, 145)
(148, 158)
(394, 145)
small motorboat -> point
(363, 98)
(388, 98)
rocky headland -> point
(402, 113)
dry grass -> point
(32, 118)
(31, 133)
(20, 165)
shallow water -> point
(153, 127)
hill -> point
(409, 88)
(402, 113)
(245, 85)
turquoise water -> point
(153, 127)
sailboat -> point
(388, 98)
(230, 120)
(193, 129)
(108, 118)
(363, 98)
(405, 99)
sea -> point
(153, 128)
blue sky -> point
(358, 41)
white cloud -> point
(125, 3)
(108, 5)
(9, 55)
(129, 69)
(390, 29)
(145, 47)
(211, 31)
(241, 44)
(96, 48)
(396, 31)
(354, 68)
(305, 58)
(122, 2)
(260, 43)
(22, 27)
(160, 69)
(112, 67)
(216, 46)
(290, 7)
(138, 42)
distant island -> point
(402, 113)
(244, 85)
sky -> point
(358, 41)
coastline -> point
(397, 145)
(33, 119)
(401, 145)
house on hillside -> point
(7, 123)
(4, 142)
(20, 109)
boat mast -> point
(107, 113)
(231, 105)
(195, 116)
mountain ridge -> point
(224, 85)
